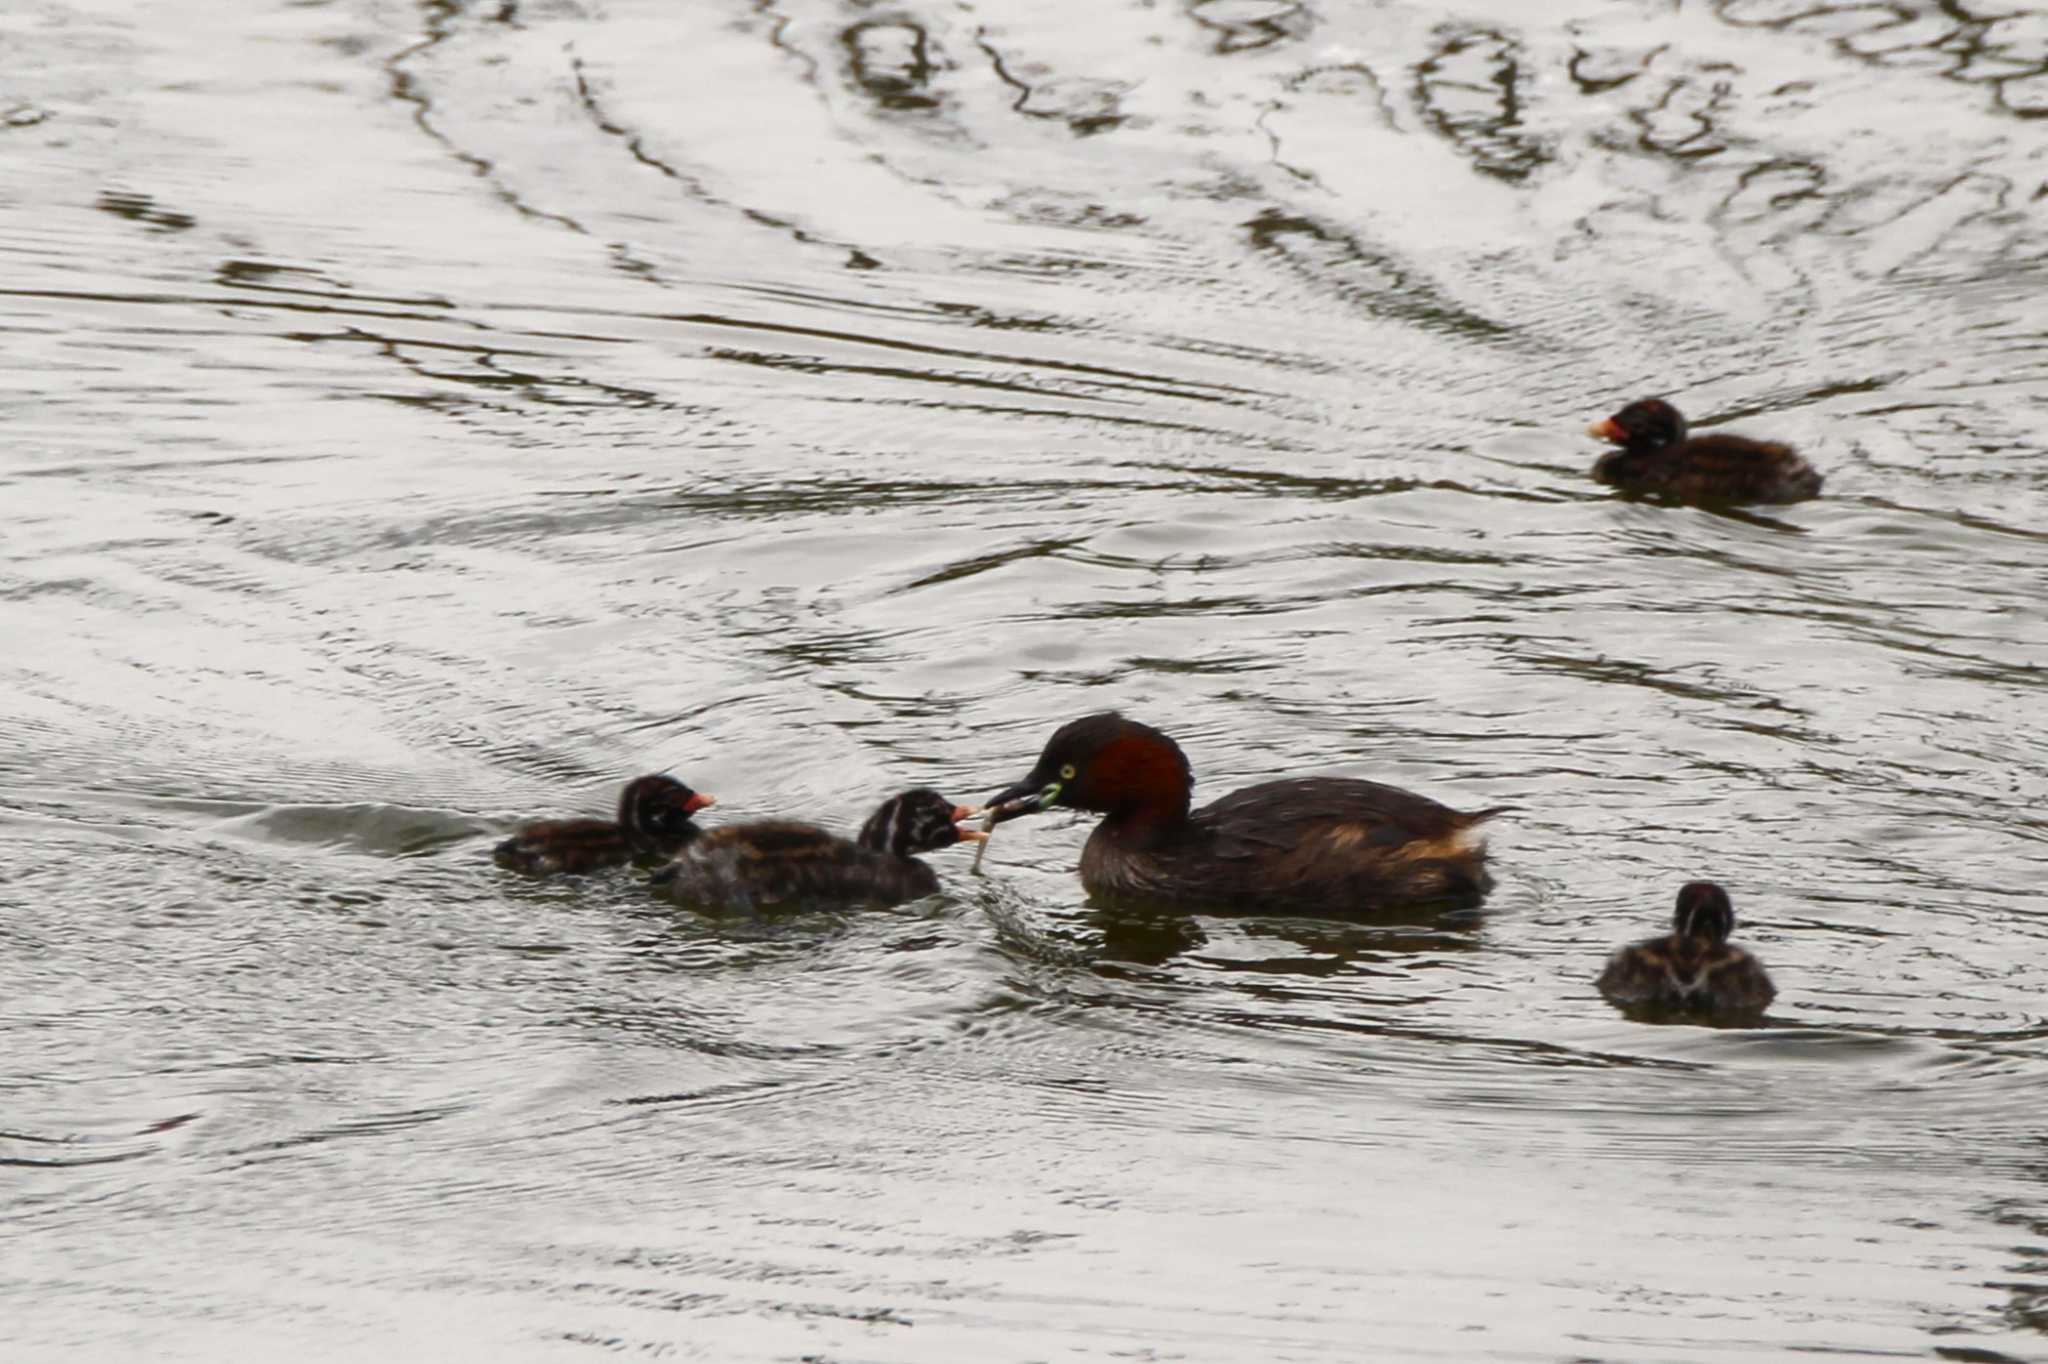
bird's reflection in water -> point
(1154, 937)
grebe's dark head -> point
(917, 821)
(655, 813)
(1704, 913)
(1649, 424)
(1104, 763)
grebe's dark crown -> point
(655, 808)
(919, 820)
(1102, 762)
(1650, 422)
(1704, 912)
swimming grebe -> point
(776, 862)
(654, 821)
(1696, 967)
(1657, 458)
(1312, 845)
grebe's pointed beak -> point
(698, 801)
(1609, 430)
(1027, 797)
(963, 813)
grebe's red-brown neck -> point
(1117, 767)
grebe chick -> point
(1696, 967)
(781, 862)
(1657, 458)
(654, 821)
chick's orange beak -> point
(699, 801)
(1607, 429)
(963, 813)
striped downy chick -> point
(1696, 967)
(654, 821)
(766, 863)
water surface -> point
(423, 418)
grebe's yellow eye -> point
(1067, 772)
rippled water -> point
(423, 418)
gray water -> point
(419, 419)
